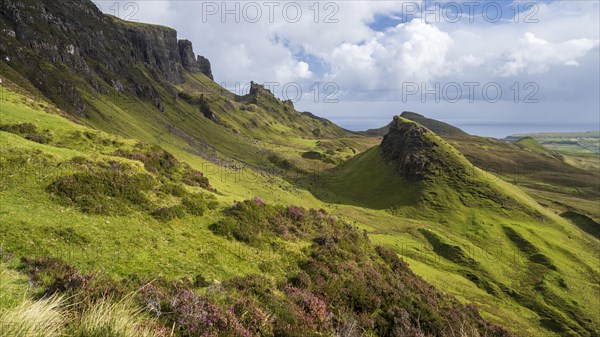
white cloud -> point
(559, 52)
(536, 55)
(413, 51)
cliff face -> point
(157, 47)
(63, 36)
(407, 146)
(190, 62)
(204, 66)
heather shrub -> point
(52, 275)
(280, 162)
(22, 128)
(168, 213)
(256, 320)
(196, 316)
(339, 290)
(245, 221)
(317, 316)
(256, 285)
(38, 138)
(107, 188)
(176, 190)
(258, 201)
(27, 130)
(154, 158)
(164, 164)
(194, 204)
(296, 213)
(256, 222)
(192, 177)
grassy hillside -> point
(530, 144)
(573, 143)
(121, 189)
(139, 241)
(493, 247)
(137, 226)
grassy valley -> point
(139, 198)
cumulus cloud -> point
(536, 55)
(559, 52)
(413, 51)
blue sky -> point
(534, 71)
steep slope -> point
(126, 240)
(414, 167)
(439, 128)
(471, 225)
(118, 76)
(545, 174)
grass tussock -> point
(108, 317)
(31, 318)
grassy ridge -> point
(468, 232)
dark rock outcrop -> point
(157, 47)
(190, 62)
(407, 146)
(60, 45)
(188, 59)
(204, 66)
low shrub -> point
(192, 177)
(313, 155)
(280, 162)
(22, 128)
(196, 316)
(164, 164)
(194, 204)
(27, 130)
(111, 188)
(296, 213)
(245, 221)
(176, 190)
(168, 213)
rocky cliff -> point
(51, 43)
(407, 146)
(190, 62)
(421, 155)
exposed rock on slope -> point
(51, 43)
(204, 66)
(409, 149)
(416, 152)
(190, 62)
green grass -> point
(368, 181)
(475, 257)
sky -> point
(493, 68)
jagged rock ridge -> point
(43, 40)
(190, 62)
(406, 146)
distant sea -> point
(485, 128)
(502, 130)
